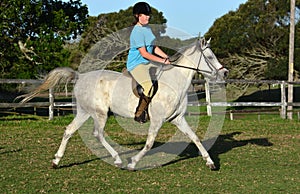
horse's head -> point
(208, 63)
(199, 57)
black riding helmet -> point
(141, 8)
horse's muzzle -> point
(226, 72)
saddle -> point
(137, 89)
(141, 113)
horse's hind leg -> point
(70, 130)
(99, 124)
(185, 128)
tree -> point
(34, 33)
(107, 24)
(253, 41)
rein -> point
(191, 68)
(213, 69)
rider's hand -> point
(167, 61)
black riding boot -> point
(141, 109)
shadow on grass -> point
(223, 144)
(226, 143)
(77, 163)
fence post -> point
(207, 94)
(51, 106)
(283, 100)
(231, 115)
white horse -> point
(98, 92)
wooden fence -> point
(51, 104)
(209, 104)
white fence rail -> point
(282, 104)
(52, 104)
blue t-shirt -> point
(141, 36)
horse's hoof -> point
(211, 166)
(54, 166)
(130, 169)
(119, 165)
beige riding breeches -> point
(142, 75)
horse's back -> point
(94, 89)
(100, 91)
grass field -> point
(253, 156)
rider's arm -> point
(152, 57)
(160, 53)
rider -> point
(142, 51)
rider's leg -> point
(142, 76)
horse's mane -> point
(179, 54)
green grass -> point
(253, 156)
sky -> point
(185, 18)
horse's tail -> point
(56, 76)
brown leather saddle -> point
(137, 89)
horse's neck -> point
(187, 72)
(181, 77)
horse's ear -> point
(202, 42)
(208, 42)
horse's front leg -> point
(185, 128)
(153, 130)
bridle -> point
(213, 70)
